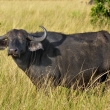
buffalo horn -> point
(39, 39)
(3, 37)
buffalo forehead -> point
(16, 34)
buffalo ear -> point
(3, 44)
(34, 45)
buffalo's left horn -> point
(3, 37)
(38, 39)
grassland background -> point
(16, 90)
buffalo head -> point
(18, 41)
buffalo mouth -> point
(14, 52)
(14, 55)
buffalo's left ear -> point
(3, 44)
(34, 45)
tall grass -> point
(16, 90)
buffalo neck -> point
(27, 60)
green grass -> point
(16, 90)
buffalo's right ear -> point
(3, 44)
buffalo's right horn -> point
(38, 39)
(3, 37)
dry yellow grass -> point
(16, 90)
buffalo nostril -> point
(15, 50)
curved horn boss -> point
(32, 38)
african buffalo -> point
(73, 60)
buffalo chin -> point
(14, 55)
